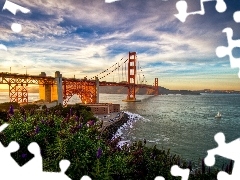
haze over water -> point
(183, 123)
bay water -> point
(184, 123)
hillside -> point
(123, 90)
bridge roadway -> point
(62, 89)
(6, 78)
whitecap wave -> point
(132, 118)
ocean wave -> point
(132, 118)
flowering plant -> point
(63, 134)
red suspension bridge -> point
(62, 89)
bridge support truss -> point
(86, 90)
(18, 93)
(18, 84)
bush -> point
(31, 106)
(3, 115)
(58, 139)
(5, 106)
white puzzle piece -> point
(222, 51)
(14, 8)
(228, 150)
(177, 171)
(182, 6)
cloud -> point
(86, 37)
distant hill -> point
(142, 91)
(124, 90)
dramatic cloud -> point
(83, 38)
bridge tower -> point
(50, 91)
(132, 71)
(58, 86)
(156, 87)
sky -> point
(85, 37)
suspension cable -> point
(115, 68)
(105, 70)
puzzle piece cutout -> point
(9, 163)
(177, 171)
(222, 51)
(34, 165)
(236, 16)
(182, 8)
(16, 27)
(159, 178)
(32, 169)
(111, 1)
(3, 126)
(14, 8)
(228, 150)
(3, 47)
(63, 164)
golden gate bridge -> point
(61, 89)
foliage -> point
(31, 106)
(3, 115)
(62, 133)
(5, 106)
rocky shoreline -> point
(115, 130)
(109, 131)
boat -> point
(218, 115)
